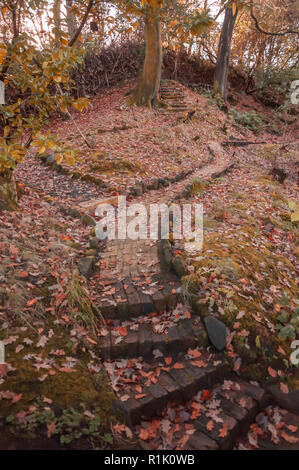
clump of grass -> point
(79, 302)
(197, 186)
(250, 120)
(189, 288)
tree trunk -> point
(70, 19)
(147, 90)
(221, 72)
(57, 21)
(9, 191)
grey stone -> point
(74, 213)
(216, 332)
(167, 252)
(86, 219)
(85, 266)
(229, 269)
(179, 266)
(50, 159)
(93, 243)
(138, 189)
(289, 401)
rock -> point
(179, 266)
(85, 266)
(167, 252)
(288, 401)
(162, 182)
(138, 189)
(93, 243)
(230, 269)
(153, 185)
(86, 219)
(74, 213)
(216, 332)
(50, 159)
(91, 252)
(90, 206)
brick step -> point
(173, 99)
(219, 419)
(170, 88)
(167, 96)
(143, 342)
(177, 105)
(136, 304)
(176, 110)
(172, 385)
(284, 424)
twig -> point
(73, 120)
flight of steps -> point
(158, 373)
(172, 95)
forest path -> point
(133, 279)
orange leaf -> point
(123, 331)
(284, 388)
(177, 365)
(50, 428)
(144, 434)
(22, 273)
(17, 398)
(272, 372)
(223, 431)
(210, 425)
(31, 302)
(194, 353)
(288, 438)
(168, 360)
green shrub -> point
(250, 120)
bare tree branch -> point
(268, 33)
(84, 19)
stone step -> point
(173, 385)
(223, 414)
(143, 342)
(136, 303)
